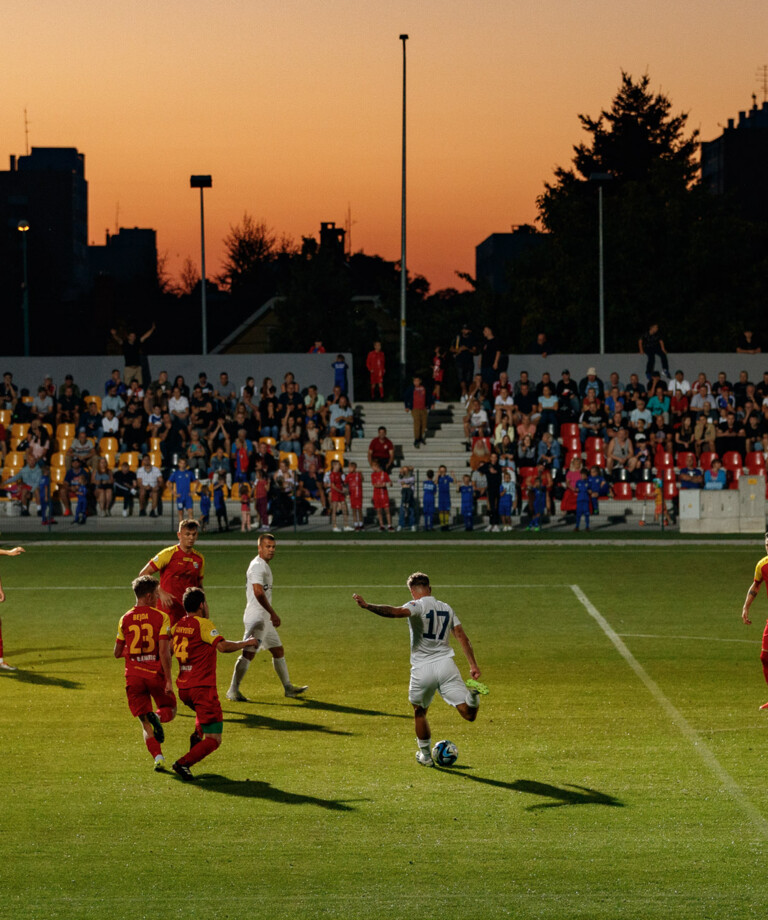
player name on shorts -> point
(146, 658)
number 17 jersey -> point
(430, 623)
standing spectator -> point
(380, 480)
(355, 486)
(334, 482)
(407, 499)
(490, 357)
(418, 401)
(583, 499)
(376, 364)
(150, 486)
(340, 368)
(245, 508)
(102, 481)
(492, 472)
(438, 371)
(467, 496)
(652, 346)
(429, 490)
(444, 497)
(464, 349)
(507, 498)
(131, 346)
(381, 451)
(124, 482)
(748, 344)
(181, 481)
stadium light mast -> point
(202, 182)
(23, 227)
(403, 271)
(600, 179)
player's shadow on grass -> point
(565, 795)
(351, 710)
(252, 720)
(258, 789)
(33, 677)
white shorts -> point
(259, 625)
(440, 675)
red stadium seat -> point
(645, 490)
(670, 489)
(664, 459)
(755, 462)
(572, 444)
(681, 458)
(622, 491)
(667, 474)
(595, 459)
(734, 476)
(732, 460)
(705, 460)
(569, 430)
(594, 444)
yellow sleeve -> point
(161, 560)
(165, 629)
(202, 566)
(120, 634)
(759, 569)
(208, 632)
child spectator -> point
(438, 372)
(583, 497)
(429, 490)
(407, 499)
(355, 487)
(340, 368)
(245, 508)
(241, 454)
(81, 509)
(537, 502)
(507, 498)
(46, 503)
(219, 504)
(181, 481)
(660, 513)
(380, 480)
(444, 497)
(335, 484)
(598, 487)
(205, 507)
(261, 498)
(467, 493)
(376, 366)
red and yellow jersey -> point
(178, 570)
(761, 571)
(194, 646)
(142, 629)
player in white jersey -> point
(261, 621)
(433, 669)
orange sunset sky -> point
(294, 106)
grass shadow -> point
(563, 795)
(253, 720)
(351, 710)
(32, 677)
(258, 789)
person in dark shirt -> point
(131, 346)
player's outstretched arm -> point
(381, 610)
(466, 646)
(751, 595)
(228, 646)
(12, 552)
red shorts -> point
(175, 611)
(141, 689)
(204, 701)
(356, 500)
(380, 498)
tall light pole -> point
(23, 227)
(202, 182)
(403, 272)
(600, 179)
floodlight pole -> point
(403, 271)
(23, 227)
(202, 182)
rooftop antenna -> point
(762, 76)
(26, 131)
(117, 218)
(348, 223)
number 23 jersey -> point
(142, 628)
(430, 623)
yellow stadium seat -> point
(111, 457)
(5, 417)
(96, 399)
(293, 460)
(58, 460)
(331, 455)
(27, 400)
(65, 444)
(271, 441)
(339, 444)
(157, 458)
(108, 445)
(15, 459)
(154, 443)
(131, 457)
(19, 431)
(57, 474)
(65, 430)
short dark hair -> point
(143, 586)
(418, 580)
(193, 599)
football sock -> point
(1, 641)
(202, 749)
(241, 666)
(425, 745)
(281, 669)
(165, 713)
(153, 746)
(473, 699)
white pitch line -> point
(280, 587)
(677, 718)
(694, 638)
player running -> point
(196, 643)
(180, 567)
(432, 623)
(261, 621)
(761, 575)
(4, 666)
(143, 639)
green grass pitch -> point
(604, 778)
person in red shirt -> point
(382, 450)
(143, 639)
(180, 567)
(380, 480)
(418, 401)
(355, 486)
(376, 365)
(196, 643)
(338, 500)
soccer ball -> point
(445, 753)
